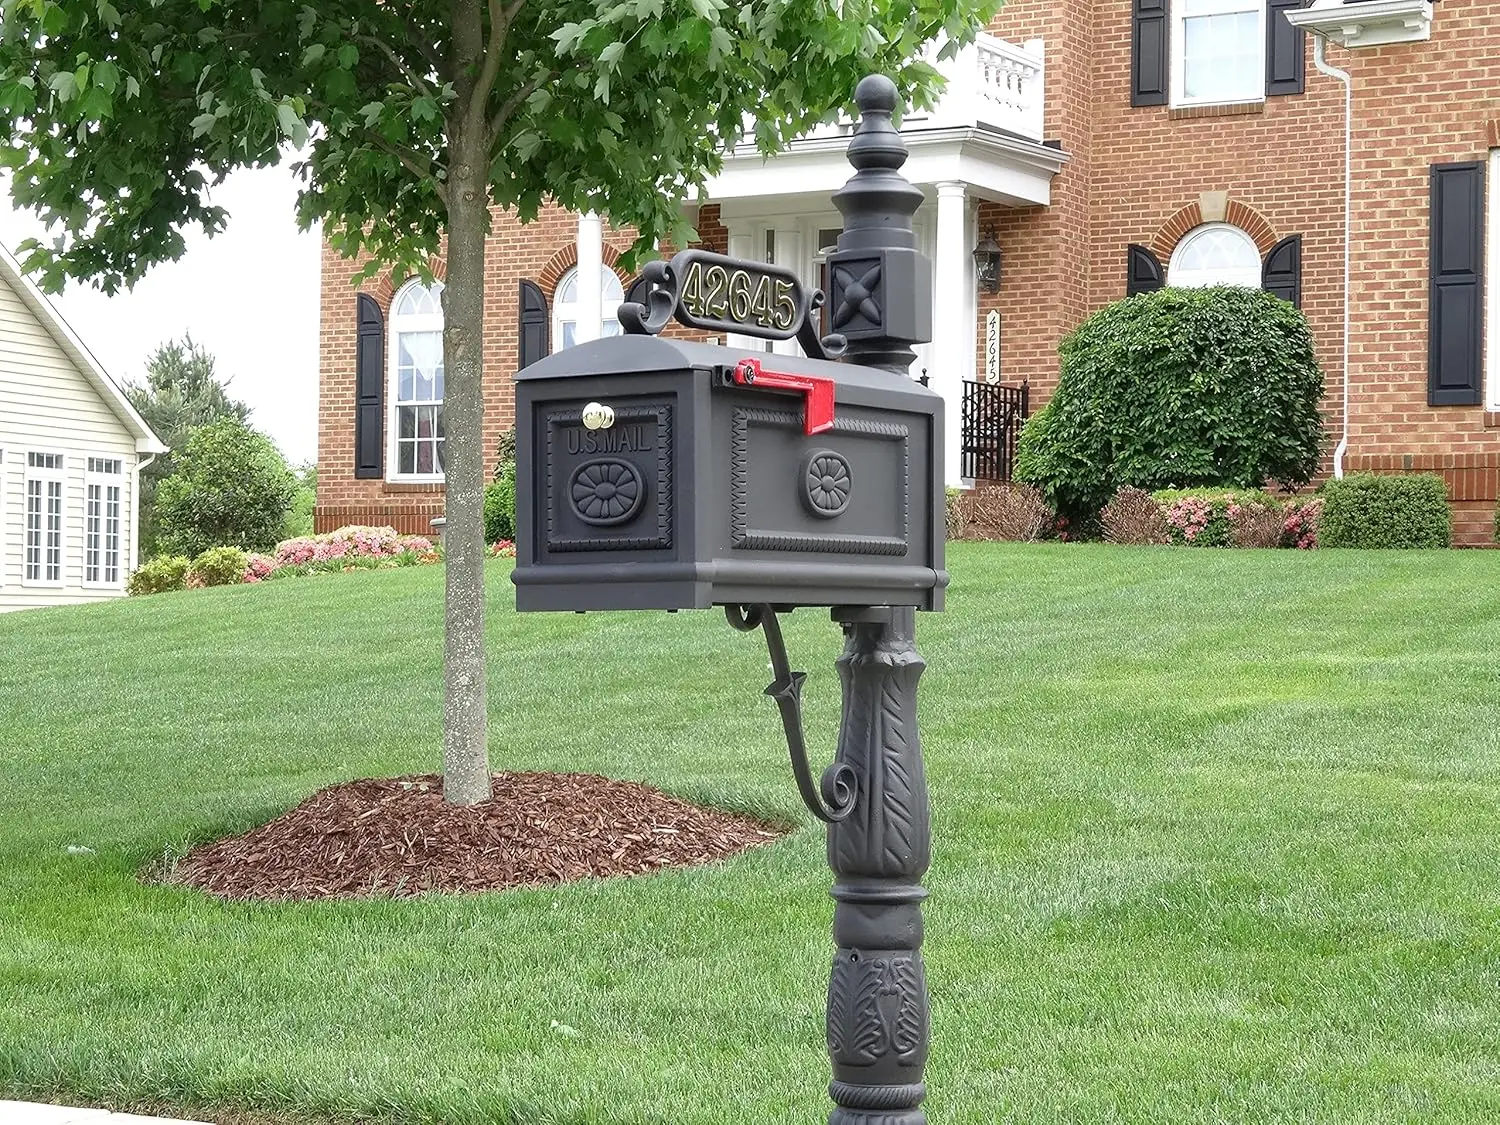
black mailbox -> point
(655, 473)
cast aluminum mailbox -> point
(655, 473)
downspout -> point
(135, 513)
(1343, 76)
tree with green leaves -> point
(180, 393)
(413, 119)
(231, 488)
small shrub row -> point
(1375, 510)
(1013, 513)
(348, 548)
(217, 566)
(1210, 518)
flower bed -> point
(348, 548)
(1205, 517)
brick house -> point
(1106, 149)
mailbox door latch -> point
(817, 412)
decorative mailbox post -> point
(654, 473)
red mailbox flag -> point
(817, 414)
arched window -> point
(415, 424)
(1215, 254)
(565, 310)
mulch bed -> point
(396, 837)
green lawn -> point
(1215, 840)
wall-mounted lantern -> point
(987, 264)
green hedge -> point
(1180, 388)
(1386, 511)
(500, 505)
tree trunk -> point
(466, 767)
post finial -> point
(876, 143)
(880, 292)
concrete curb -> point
(34, 1113)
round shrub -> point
(219, 566)
(167, 572)
(500, 505)
(1380, 511)
(230, 488)
(1176, 389)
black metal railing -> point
(992, 417)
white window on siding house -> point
(44, 520)
(415, 424)
(1218, 51)
(103, 487)
(1215, 254)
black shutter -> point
(369, 390)
(1143, 272)
(1282, 274)
(535, 325)
(1286, 68)
(1148, 53)
(1455, 313)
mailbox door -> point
(600, 522)
(842, 517)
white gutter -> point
(1343, 76)
(135, 514)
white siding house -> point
(71, 449)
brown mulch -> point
(396, 837)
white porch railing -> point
(990, 82)
(995, 83)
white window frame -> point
(1492, 283)
(105, 482)
(566, 312)
(46, 477)
(1177, 44)
(1174, 266)
(401, 324)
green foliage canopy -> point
(180, 393)
(231, 489)
(118, 117)
(1176, 389)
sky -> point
(249, 296)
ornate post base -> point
(877, 997)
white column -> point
(952, 327)
(789, 254)
(590, 263)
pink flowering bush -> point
(503, 549)
(1300, 527)
(348, 548)
(1195, 520)
(1238, 518)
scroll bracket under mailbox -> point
(840, 785)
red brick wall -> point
(1137, 175)
(1046, 253)
(541, 251)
